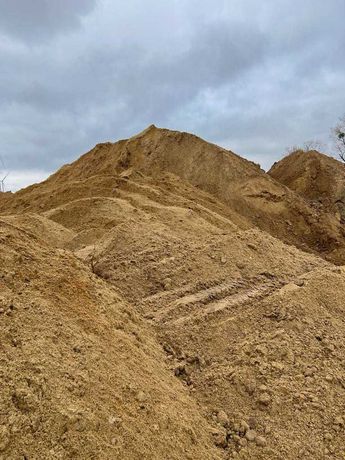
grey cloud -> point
(253, 78)
(33, 20)
(128, 82)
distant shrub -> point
(306, 147)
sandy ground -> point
(164, 298)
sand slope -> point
(315, 176)
(81, 375)
(157, 304)
(160, 156)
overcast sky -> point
(253, 76)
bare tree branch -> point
(338, 137)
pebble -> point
(167, 283)
(268, 429)
(243, 442)
(328, 437)
(260, 441)
(113, 420)
(336, 269)
(222, 418)
(236, 427)
(141, 397)
(244, 427)
(310, 372)
(252, 422)
(264, 399)
(181, 370)
(249, 387)
(168, 348)
(250, 435)
(299, 283)
(236, 438)
(262, 349)
(277, 365)
(339, 421)
(220, 437)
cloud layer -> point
(253, 76)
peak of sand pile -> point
(177, 321)
(168, 158)
(316, 177)
(144, 132)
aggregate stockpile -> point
(176, 302)
(81, 376)
(318, 178)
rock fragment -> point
(250, 435)
(252, 422)
(328, 437)
(220, 437)
(244, 427)
(260, 441)
(339, 421)
(167, 283)
(141, 397)
(243, 442)
(264, 399)
(222, 418)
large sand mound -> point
(175, 318)
(245, 190)
(315, 176)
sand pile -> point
(174, 302)
(81, 375)
(265, 357)
(42, 228)
(160, 155)
(315, 176)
